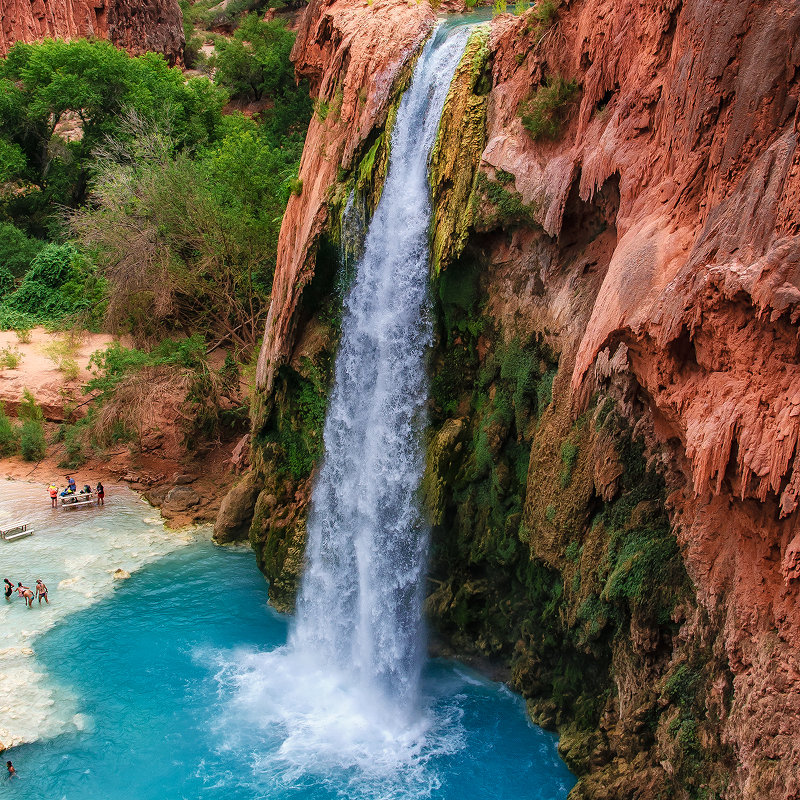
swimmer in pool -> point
(11, 770)
(9, 588)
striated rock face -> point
(691, 110)
(139, 27)
(613, 474)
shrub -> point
(520, 7)
(545, 12)
(543, 114)
(499, 7)
(23, 335)
(9, 435)
(32, 441)
(62, 353)
(75, 445)
(16, 252)
(10, 359)
(29, 410)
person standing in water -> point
(11, 771)
(25, 593)
(101, 494)
(53, 489)
(9, 587)
(41, 592)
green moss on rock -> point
(457, 151)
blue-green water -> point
(163, 671)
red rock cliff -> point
(137, 26)
(693, 108)
(352, 54)
(690, 109)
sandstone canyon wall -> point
(155, 25)
(612, 470)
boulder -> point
(121, 574)
(236, 511)
(181, 498)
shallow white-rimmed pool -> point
(146, 686)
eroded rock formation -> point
(139, 27)
(613, 473)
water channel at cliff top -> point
(141, 689)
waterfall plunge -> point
(343, 693)
(359, 608)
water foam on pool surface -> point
(75, 552)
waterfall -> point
(359, 608)
(342, 697)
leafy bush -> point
(10, 359)
(74, 438)
(16, 252)
(29, 410)
(59, 283)
(32, 441)
(62, 353)
(9, 435)
(543, 114)
(23, 335)
(499, 7)
(545, 11)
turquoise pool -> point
(158, 669)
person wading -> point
(26, 594)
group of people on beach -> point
(72, 489)
(26, 593)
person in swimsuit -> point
(26, 594)
(101, 493)
(41, 591)
(9, 588)
(11, 770)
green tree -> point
(89, 85)
(187, 244)
(255, 62)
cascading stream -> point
(359, 609)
